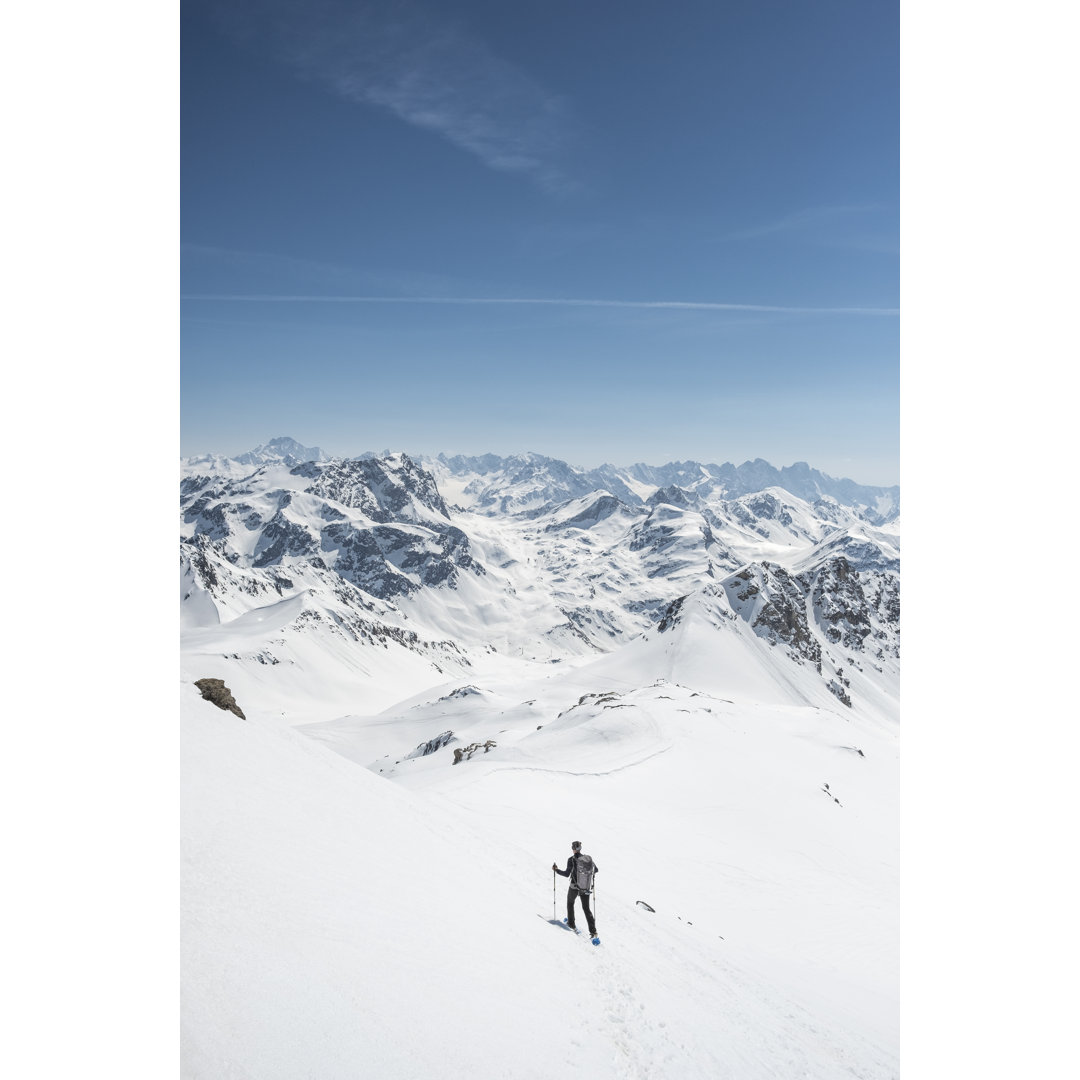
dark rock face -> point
(454, 555)
(281, 537)
(201, 565)
(212, 566)
(671, 615)
(463, 753)
(432, 745)
(654, 537)
(841, 694)
(858, 610)
(387, 561)
(783, 615)
(740, 514)
(364, 557)
(840, 604)
(191, 485)
(216, 692)
(384, 493)
(209, 516)
(461, 693)
(821, 611)
(410, 545)
(769, 507)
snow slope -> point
(337, 924)
(701, 686)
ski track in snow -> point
(663, 1002)
(586, 772)
(648, 1043)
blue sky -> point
(606, 232)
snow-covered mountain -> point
(695, 666)
(531, 481)
(282, 450)
(371, 548)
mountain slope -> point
(334, 921)
(442, 688)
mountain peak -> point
(283, 449)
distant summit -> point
(287, 451)
(280, 451)
(531, 482)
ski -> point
(562, 924)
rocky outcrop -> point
(216, 692)
(463, 753)
(765, 505)
(857, 610)
(782, 615)
(670, 618)
(429, 747)
(399, 542)
(384, 489)
(280, 537)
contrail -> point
(678, 305)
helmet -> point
(576, 845)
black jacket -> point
(570, 868)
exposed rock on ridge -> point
(216, 692)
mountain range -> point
(453, 556)
(695, 666)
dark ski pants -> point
(571, 895)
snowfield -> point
(354, 906)
(340, 924)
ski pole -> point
(553, 915)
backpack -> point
(583, 873)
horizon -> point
(577, 465)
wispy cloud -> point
(421, 67)
(834, 226)
(679, 305)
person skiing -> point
(579, 869)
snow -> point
(338, 922)
(354, 907)
(335, 924)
